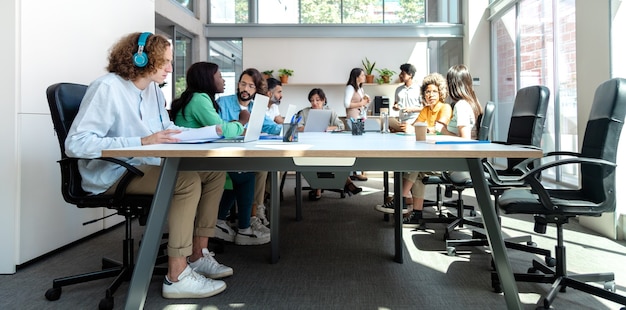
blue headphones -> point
(140, 59)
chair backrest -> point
(486, 121)
(64, 100)
(601, 141)
(527, 119)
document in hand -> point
(198, 135)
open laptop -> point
(255, 124)
(318, 120)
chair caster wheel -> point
(531, 243)
(451, 251)
(472, 213)
(53, 294)
(106, 303)
(609, 286)
(550, 261)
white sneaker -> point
(208, 266)
(251, 236)
(256, 223)
(260, 213)
(191, 285)
(224, 232)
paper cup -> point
(420, 131)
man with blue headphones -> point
(125, 108)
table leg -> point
(397, 216)
(274, 217)
(151, 240)
(492, 227)
(298, 196)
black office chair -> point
(64, 100)
(595, 196)
(525, 129)
(458, 181)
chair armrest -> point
(532, 177)
(132, 172)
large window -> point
(535, 44)
(182, 61)
(227, 55)
(334, 11)
(188, 4)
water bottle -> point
(385, 118)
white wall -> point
(618, 62)
(477, 54)
(326, 63)
(8, 156)
(51, 42)
(593, 64)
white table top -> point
(333, 145)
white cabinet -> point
(47, 222)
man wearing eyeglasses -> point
(250, 82)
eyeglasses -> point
(243, 85)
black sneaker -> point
(414, 220)
(389, 206)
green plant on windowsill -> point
(385, 75)
(284, 75)
(368, 66)
(283, 72)
(268, 73)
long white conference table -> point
(322, 152)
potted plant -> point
(368, 67)
(268, 74)
(284, 75)
(385, 75)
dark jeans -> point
(243, 193)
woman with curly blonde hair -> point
(436, 114)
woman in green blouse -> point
(197, 107)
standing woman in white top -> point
(356, 101)
(466, 108)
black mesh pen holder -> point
(358, 127)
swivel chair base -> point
(122, 271)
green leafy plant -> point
(287, 72)
(368, 66)
(385, 72)
(269, 73)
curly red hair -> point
(121, 56)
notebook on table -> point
(255, 124)
(318, 120)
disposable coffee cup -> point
(420, 131)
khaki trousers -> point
(418, 189)
(194, 205)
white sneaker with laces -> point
(260, 213)
(256, 223)
(224, 232)
(251, 236)
(191, 285)
(208, 266)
